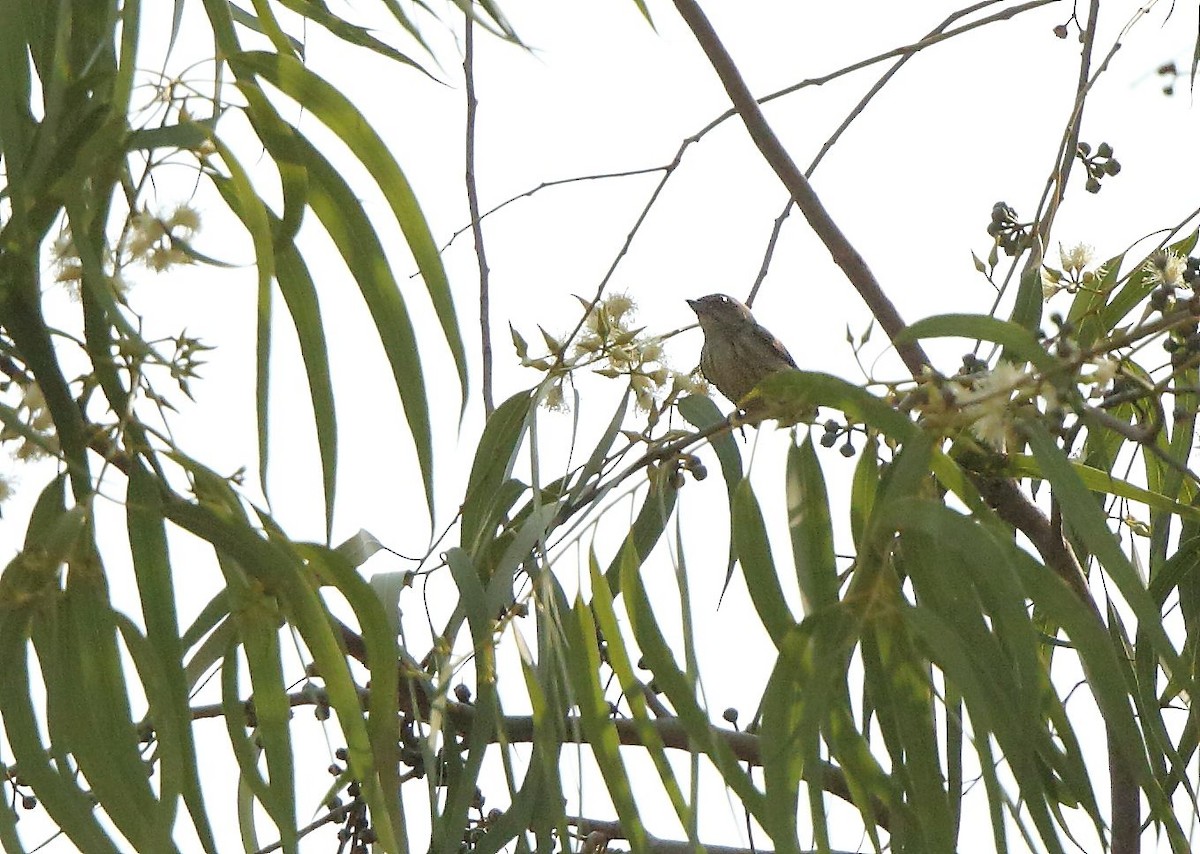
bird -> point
(738, 351)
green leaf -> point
(647, 527)
(245, 751)
(1086, 313)
(492, 466)
(951, 655)
(300, 295)
(702, 413)
(595, 462)
(678, 689)
(343, 218)
(583, 664)
(1104, 670)
(795, 391)
(278, 568)
(258, 621)
(1028, 305)
(618, 657)
(962, 571)
(1017, 340)
(754, 551)
(863, 487)
(900, 687)
(811, 525)
(804, 694)
(245, 203)
(184, 135)
(460, 792)
(252, 22)
(340, 116)
(1022, 465)
(170, 709)
(68, 806)
(1082, 512)
(382, 788)
(92, 698)
(318, 13)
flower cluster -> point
(158, 242)
(610, 342)
(987, 401)
(68, 267)
(161, 242)
(35, 430)
(1074, 275)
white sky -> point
(964, 124)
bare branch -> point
(485, 299)
(514, 729)
(609, 830)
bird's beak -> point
(693, 304)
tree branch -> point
(843, 252)
(605, 831)
(485, 299)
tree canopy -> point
(943, 618)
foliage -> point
(1030, 512)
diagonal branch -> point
(839, 246)
(485, 297)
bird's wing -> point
(775, 344)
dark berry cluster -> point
(1169, 72)
(685, 463)
(1009, 234)
(1183, 344)
(833, 432)
(1098, 165)
(356, 831)
(1167, 297)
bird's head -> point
(719, 311)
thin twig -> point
(669, 168)
(333, 816)
(928, 41)
(485, 299)
(857, 111)
(546, 185)
(609, 830)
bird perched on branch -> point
(738, 351)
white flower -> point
(1051, 280)
(618, 305)
(1166, 268)
(1106, 369)
(985, 405)
(1048, 392)
(991, 428)
(1075, 258)
(185, 219)
(999, 383)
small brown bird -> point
(738, 351)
